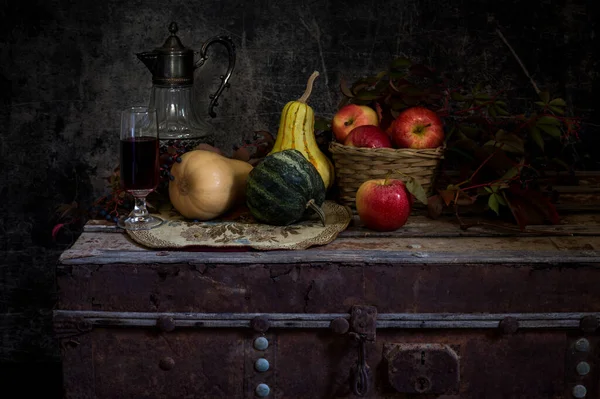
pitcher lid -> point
(173, 44)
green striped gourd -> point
(285, 188)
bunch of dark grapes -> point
(168, 155)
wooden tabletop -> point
(422, 240)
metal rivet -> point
(261, 343)
(166, 363)
(589, 324)
(579, 391)
(261, 365)
(165, 323)
(260, 324)
(84, 325)
(339, 325)
(509, 325)
(262, 390)
(583, 368)
(582, 345)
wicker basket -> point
(355, 165)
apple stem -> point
(312, 205)
(387, 177)
(309, 87)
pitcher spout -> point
(149, 59)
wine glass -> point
(139, 170)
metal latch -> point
(363, 323)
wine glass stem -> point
(139, 209)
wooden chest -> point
(429, 311)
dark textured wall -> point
(67, 67)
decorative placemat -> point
(241, 230)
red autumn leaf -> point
(464, 199)
(56, 229)
(241, 154)
(421, 70)
(447, 195)
(530, 207)
(379, 111)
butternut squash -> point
(206, 184)
(297, 132)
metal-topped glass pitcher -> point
(172, 67)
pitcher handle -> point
(228, 43)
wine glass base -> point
(140, 222)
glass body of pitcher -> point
(178, 122)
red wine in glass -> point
(139, 163)
(139, 170)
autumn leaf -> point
(493, 203)
(465, 199)
(401, 63)
(456, 96)
(416, 189)
(56, 229)
(530, 206)
(421, 70)
(510, 142)
(379, 111)
(435, 206)
(241, 154)
(511, 173)
(345, 89)
(536, 135)
(558, 102)
(447, 196)
(322, 124)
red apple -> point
(369, 136)
(383, 204)
(417, 127)
(350, 116)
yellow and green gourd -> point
(297, 132)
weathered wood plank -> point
(102, 248)
(420, 225)
(93, 242)
(330, 287)
(342, 256)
